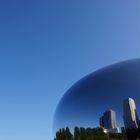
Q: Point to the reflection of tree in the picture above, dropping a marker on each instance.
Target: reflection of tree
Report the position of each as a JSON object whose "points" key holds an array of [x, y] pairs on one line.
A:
{"points": [[81, 134], [95, 134], [133, 133], [64, 134]]}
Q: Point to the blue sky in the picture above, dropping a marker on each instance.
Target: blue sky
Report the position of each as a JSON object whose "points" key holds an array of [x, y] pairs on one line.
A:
{"points": [[47, 45]]}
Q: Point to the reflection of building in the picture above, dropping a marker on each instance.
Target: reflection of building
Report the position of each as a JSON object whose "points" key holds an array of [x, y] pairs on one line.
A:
{"points": [[108, 120], [115, 130], [101, 121], [130, 115], [122, 130]]}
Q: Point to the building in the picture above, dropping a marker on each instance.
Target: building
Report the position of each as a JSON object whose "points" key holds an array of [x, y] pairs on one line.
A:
{"points": [[115, 130], [130, 115], [108, 120], [101, 121]]}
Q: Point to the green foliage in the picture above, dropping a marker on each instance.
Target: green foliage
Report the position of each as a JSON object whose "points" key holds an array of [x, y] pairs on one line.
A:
{"points": [[133, 134], [116, 136], [63, 134], [95, 134], [76, 133], [81, 134]]}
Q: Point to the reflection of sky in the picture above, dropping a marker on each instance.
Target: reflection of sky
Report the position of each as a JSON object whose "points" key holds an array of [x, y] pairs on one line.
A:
{"points": [[105, 89]]}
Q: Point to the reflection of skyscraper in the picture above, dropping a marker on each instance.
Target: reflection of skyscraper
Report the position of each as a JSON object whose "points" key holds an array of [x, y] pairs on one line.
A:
{"points": [[130, 114], [101, 121], [108, 120]]}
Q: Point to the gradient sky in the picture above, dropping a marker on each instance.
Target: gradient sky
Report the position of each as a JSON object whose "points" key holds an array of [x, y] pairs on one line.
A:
{"points": [[47, 45]]}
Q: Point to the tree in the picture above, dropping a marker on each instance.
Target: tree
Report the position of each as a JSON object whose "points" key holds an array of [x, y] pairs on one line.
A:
{"points": [[69, 136], [76, 133]]}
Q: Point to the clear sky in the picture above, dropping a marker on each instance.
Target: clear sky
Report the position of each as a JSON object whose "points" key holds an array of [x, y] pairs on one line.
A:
{"points": [[47, 45]]}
